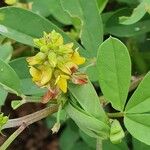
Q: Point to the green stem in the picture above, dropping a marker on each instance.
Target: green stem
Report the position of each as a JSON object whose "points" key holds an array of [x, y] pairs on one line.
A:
{"points": [[29, 119], [58, 113], [115, 115], [13, 137], [99, 144]]}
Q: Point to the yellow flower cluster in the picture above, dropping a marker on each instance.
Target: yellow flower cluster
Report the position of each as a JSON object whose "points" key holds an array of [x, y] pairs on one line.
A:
{"points": [[55, 63]]}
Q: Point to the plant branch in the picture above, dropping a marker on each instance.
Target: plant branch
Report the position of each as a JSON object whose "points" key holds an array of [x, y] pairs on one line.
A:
{"points": [[31, 118], [13, 137]]}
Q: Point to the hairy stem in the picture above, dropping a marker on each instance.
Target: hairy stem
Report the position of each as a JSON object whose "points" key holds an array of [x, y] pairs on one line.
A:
{"points": [[115, 115], [31, 118]]}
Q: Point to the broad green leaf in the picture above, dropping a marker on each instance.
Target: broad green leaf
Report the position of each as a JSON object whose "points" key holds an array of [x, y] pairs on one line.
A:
{"points": [[6, 52], [107, 145], [140, 100], [91, 142], [9, 79], [136, 15], [23, 25], [25, 77], [112, 26], [68, 138], [102, 4], [114, 71], [58, 12], [51, 7], [137, 145], [88, 124], [38, 5], [3, 95], [88, 99], [80, 145], [92, 26], [139, 126]]}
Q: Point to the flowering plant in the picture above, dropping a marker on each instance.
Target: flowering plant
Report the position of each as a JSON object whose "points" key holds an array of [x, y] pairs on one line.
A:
{"points": [[72, 58]]}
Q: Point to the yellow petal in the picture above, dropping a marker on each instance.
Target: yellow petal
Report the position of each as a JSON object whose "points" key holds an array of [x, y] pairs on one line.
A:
{"points": [[77, 59], [63, 68], [35, 73], [37, 59], [46, 74], [61, 82]]}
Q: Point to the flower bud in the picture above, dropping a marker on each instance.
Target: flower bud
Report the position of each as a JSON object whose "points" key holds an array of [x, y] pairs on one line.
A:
{"points": [[55, 128], [79, 78]]}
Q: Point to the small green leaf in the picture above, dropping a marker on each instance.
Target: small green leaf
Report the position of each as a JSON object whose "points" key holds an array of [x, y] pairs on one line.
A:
{"points": [[114, 71], [91, 23], [3, 95], [16, 104], [6, 52], [19, 24], [9, 79], [116, 132], [113, 27], [88, 99], [88, 124], [140, 100], [137, 14], [139, 126], [3, 120], [102, 4]]}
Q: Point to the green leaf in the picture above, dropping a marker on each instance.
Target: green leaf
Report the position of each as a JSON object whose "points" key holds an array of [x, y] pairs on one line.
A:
{"points": [[51, 7], [88, 124], [6, 52], [88, 99], [140, 100], [112, 25], [19, 24], [16, 104], [91, 142], [107, 145], [114, 71], [3, 95], [92, 26], [102, 4], [139, 126], [68, 138], [25, 77], [9, 79], [59, 13], [137, 145], [80, 145], [137, 14]]}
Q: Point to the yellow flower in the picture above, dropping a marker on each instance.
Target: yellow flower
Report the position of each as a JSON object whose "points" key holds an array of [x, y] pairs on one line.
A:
{"points": [[61, 82], [76, 58], [55, 64]]}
